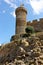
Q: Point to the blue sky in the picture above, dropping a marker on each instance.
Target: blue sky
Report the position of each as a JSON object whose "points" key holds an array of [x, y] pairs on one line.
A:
{"points": [[8, 17]]}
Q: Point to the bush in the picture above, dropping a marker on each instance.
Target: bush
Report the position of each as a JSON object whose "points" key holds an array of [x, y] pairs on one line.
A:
{"points": [[29, 30]]}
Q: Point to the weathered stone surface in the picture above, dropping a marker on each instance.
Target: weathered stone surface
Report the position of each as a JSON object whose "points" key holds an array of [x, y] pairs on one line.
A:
{"points": [[23, 51]]}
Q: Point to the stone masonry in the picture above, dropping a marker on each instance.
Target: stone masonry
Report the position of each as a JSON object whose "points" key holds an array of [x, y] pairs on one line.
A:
{"points": [[20, 19], [21, 23]]}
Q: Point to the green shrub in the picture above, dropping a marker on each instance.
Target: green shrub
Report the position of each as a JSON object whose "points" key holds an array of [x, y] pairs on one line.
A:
{"points": [[29, 30]]}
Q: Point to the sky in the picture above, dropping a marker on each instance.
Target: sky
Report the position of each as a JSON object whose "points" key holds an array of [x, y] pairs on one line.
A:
{"points": [[8, 17]]}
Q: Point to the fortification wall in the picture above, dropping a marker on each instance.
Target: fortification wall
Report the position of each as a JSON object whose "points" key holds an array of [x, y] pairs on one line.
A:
{"points": [[38, 25]]}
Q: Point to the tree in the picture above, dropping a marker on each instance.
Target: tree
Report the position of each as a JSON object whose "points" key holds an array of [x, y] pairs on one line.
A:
{"points": [[29, 30]]}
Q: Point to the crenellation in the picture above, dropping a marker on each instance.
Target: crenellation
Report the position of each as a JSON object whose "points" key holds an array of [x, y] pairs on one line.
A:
{"points": [[41, 19], [34, 21], [38, 25]]}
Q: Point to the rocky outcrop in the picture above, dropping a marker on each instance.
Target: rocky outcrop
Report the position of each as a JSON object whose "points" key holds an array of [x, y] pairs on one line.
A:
{"points": [[24, 51]]}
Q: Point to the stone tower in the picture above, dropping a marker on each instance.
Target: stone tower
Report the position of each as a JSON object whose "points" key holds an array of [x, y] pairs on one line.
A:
{"points": [[20, 19]]}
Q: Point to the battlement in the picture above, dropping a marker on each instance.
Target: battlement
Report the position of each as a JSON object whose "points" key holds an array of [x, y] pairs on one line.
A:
{"points": [[41, 19], [37, 24], [35, 21]]}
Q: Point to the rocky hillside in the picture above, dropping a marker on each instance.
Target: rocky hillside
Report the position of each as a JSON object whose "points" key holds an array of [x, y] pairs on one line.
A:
{"points": [[23, 51]]}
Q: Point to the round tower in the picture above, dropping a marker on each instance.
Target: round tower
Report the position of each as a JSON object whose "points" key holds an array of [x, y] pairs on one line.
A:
{"points": [[20, 19]]}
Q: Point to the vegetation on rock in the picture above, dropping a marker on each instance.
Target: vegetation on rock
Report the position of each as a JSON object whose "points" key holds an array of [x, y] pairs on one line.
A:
{"points": [[29, 30], [24, 51]]}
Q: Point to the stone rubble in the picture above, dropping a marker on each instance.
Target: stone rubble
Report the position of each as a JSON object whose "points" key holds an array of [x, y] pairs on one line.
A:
{"points": [[28, 51]]}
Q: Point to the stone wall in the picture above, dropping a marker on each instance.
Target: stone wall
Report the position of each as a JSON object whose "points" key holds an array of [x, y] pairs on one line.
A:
{"points": [[38, 25]]}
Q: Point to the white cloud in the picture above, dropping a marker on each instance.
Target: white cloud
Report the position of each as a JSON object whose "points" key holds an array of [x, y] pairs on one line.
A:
{"points": [[0, 44], [37, 6], [11, 3], [13, 13], [27, 1]]}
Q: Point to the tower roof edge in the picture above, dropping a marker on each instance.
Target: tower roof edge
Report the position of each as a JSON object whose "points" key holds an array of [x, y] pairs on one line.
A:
{"points": [[20, 8]]}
